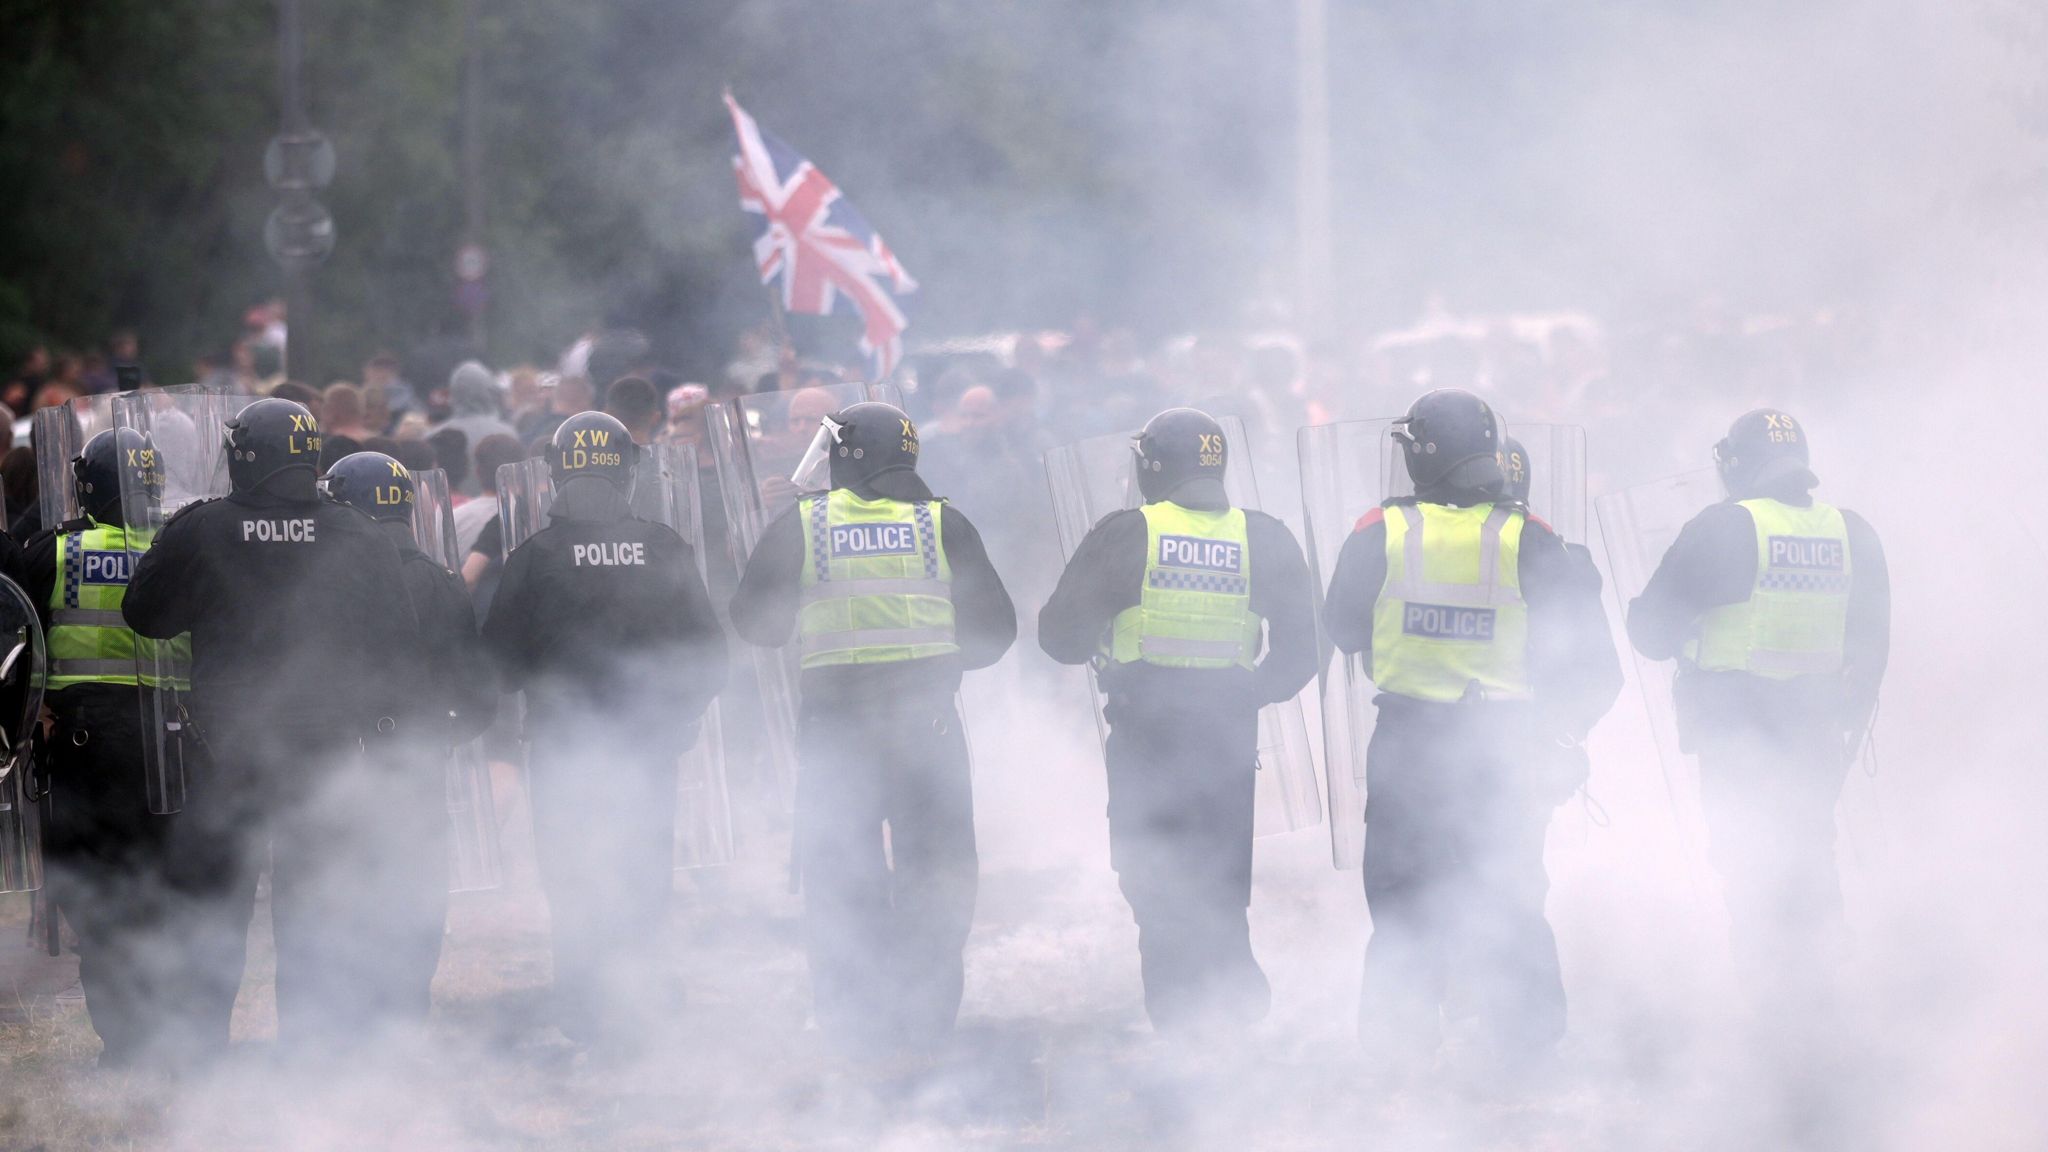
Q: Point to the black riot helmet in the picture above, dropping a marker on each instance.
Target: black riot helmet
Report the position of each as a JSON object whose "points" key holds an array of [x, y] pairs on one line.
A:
{"points": [[1450, 440], [115, 459], [1514, 466], [374, 484], [269, 437], [1177, 446], [869, 439], [593, 445], [1764, 450]]}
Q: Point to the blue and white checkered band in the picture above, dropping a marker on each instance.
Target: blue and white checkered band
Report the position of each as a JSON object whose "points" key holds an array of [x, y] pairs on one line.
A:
{"points": [[74, 572], [1182, 580], [1448, 622], [821, 561], [922, 512], [105, 567], [858, 541], [1805, 564]]}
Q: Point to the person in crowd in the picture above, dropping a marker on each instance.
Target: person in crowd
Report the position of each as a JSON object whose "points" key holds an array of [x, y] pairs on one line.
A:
{"points": [[341, 412], [570, 395], [1777, 609], [890, 598], [472, 517], [451, 455], [307, 654], [1195, 614], [20, 483], [1492, 657], [473, 400], [602, 620], [312, 398], [633, 402]]}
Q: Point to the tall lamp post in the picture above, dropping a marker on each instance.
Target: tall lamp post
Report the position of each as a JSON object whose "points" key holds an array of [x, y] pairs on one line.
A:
{"points": [[297, 163]]}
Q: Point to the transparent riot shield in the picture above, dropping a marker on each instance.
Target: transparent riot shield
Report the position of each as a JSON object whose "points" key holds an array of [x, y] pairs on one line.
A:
{"points": [[60, 433], [1095, 477], [473, 856], [184, 429], [757, 442], [22, 667], [1342, 478], [664, 491]]}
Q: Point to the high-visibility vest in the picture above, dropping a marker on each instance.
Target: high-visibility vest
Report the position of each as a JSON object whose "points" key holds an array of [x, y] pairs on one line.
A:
{"points": [[89, 642], [876, 587], [1450, 623], [1798, 612], [1194, 609]]}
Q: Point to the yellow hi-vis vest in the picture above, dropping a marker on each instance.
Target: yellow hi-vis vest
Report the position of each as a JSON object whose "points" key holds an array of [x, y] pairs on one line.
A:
{"points": [[89, 642], [1450, 623], [876, 586], [1195, 607], [1798, 612]]}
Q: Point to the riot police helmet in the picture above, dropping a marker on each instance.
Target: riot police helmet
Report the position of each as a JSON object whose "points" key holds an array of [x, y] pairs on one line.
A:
{"points": [[1514, 466], [1765, 450], [112, 461], [867, 440], [269, 437], [1450, 441], [593, 445], [1177, 446], [373, 484]]}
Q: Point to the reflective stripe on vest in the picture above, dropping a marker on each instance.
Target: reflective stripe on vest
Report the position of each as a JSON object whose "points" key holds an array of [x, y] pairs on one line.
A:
{"points": [[1797, 613], [89, 642], [876, 588], [1195, 606], [1450, 623]]}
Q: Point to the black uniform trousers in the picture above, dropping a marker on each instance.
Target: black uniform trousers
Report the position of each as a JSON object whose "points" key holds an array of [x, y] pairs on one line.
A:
{"points": [[1181, 784], [1768, 786], [885, 925], [358, 846], [604, 827], [1457, 805], [110, 871]]}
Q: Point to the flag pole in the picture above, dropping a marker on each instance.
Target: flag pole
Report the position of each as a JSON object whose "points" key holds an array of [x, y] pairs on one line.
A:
{"points": [[780, 318]]}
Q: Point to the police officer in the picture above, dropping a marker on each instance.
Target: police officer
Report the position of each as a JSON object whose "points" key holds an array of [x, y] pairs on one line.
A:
{"points": [[1493, 659], [405, 888], [106, 855], [1777, 608], [1196, 614], [305, 647], [602, 620], [891, 597]]}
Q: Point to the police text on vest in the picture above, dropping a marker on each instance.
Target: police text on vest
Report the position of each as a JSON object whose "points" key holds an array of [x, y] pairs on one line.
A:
{"points": [[278, 531], [892, 539], [106, 568], [1445, 622], [1196, 552], [1813, 552], [608, 554]]}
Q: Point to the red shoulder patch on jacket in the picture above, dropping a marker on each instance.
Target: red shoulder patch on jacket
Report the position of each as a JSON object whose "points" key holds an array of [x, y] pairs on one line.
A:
{"points": [[1540, 522], [1372, 516]]}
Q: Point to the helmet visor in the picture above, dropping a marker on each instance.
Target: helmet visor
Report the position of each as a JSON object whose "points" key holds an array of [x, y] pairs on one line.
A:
{"points": [[813, 470]]}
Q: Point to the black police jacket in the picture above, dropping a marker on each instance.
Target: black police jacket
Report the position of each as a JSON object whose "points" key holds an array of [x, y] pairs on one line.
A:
{"points": [[1574, 669], [298, 609], [1712, 564], [462, 686], [1107, 576], [602, 615], [764, 607]]}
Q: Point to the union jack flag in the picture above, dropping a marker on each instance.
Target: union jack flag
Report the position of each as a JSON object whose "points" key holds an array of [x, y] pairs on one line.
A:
{"points": [[812, 237]]}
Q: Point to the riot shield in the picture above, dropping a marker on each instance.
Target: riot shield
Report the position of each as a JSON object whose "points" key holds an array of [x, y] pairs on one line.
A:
{"points": [[757, 442], [664, 491], [22, 666], [1094, 477], [1343, 477], [61, 431], [473, 857], [185, 429]]}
